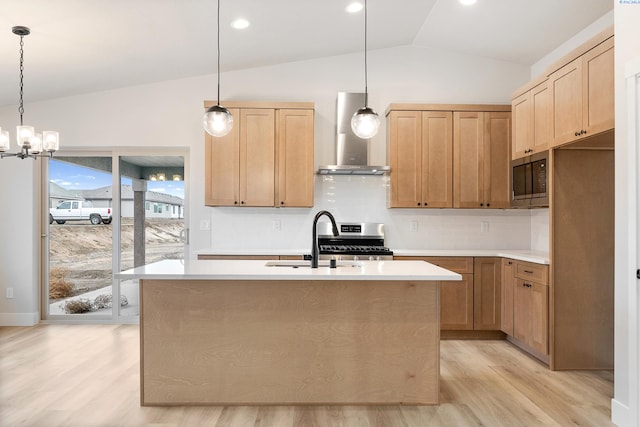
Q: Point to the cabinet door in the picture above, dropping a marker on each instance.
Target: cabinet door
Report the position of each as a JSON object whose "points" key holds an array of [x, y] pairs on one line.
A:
{"points": [[539, 317], [222, 166], [566, 102], [468, 150], [405, 158], [541, 100], [496, 160], [456, 304], [521, 311], [295, 158], [437, 159], [598, 88], [487, 279], [506, 303], [257, 157], [522, 116]]}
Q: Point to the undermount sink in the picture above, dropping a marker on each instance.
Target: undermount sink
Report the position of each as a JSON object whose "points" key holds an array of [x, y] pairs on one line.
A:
{"points": [[306, 264]]}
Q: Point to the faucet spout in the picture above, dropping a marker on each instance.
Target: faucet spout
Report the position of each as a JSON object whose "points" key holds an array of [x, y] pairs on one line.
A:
{"points": [[315, 251]]}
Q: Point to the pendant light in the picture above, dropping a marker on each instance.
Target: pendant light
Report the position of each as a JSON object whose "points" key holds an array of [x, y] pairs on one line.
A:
{"points": [[217, 120], [365, 122], [30, 143]]}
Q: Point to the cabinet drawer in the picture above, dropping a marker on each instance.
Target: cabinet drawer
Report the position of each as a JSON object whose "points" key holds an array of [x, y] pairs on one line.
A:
{"points": [[529, 271], [460, 265]]}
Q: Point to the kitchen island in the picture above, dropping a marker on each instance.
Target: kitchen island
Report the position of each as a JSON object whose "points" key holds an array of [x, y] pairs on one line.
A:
{"points": [[257, 332]]}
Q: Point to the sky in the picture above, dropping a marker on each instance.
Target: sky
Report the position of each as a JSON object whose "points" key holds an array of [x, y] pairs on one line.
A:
{"points": [[75, 177]]}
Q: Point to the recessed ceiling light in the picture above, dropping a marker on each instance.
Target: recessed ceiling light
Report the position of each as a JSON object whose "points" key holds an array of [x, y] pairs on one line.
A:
{"points": [[240, 24], [354, 7], [468, 2]]}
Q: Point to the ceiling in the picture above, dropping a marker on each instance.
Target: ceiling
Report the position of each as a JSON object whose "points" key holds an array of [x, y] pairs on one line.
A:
{"points": [[80, 46]]}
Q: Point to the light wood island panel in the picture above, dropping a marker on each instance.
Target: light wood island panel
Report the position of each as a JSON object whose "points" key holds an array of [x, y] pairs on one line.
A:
{"points": [[214, 342]]}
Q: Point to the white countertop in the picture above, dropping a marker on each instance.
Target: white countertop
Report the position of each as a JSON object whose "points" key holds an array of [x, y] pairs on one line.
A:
{"points": [[519, 254], [258, 270]]}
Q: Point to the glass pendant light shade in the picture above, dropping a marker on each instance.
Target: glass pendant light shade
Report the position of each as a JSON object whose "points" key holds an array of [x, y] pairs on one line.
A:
{"points": [[24, 135], [4, 140], [365, 123], [217, 121]]}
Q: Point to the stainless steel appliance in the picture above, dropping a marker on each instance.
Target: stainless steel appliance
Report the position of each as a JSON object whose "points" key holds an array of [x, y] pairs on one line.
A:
{"points": [[529, 181], [356, 241]]}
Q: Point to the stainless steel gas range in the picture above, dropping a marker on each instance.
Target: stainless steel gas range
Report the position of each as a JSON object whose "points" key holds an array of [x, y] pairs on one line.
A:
{"points": [[356, 241]]}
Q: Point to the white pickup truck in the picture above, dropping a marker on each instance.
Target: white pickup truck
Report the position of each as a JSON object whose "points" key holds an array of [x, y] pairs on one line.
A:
{"points": [[77, 210]]}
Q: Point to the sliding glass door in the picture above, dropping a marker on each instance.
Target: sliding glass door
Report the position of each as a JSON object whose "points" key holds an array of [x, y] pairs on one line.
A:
{"points": [[106, 213]]}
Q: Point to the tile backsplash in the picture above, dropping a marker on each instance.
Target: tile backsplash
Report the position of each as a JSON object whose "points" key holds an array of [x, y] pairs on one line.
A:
{"points": [[364, 199]]}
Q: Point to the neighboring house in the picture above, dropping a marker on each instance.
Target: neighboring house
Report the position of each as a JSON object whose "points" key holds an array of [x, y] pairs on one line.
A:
{"points": [[58, 194], [157, 205]]}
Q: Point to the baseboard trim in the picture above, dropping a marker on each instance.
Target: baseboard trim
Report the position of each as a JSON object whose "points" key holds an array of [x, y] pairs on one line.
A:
{"points": [[471, 335], [19, 319], [621, 414]]}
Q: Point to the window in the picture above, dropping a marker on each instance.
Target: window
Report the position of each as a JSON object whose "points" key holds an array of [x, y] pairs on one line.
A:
{"points": [[146, 206], [75, 205]]}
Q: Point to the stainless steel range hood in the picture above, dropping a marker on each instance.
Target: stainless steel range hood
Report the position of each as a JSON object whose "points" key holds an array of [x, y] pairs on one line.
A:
{"points": [[352, 152]]}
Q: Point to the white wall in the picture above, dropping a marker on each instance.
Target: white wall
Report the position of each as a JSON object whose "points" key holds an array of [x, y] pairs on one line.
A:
{"points": [[626, 401], [601, 24], [19, 239]]}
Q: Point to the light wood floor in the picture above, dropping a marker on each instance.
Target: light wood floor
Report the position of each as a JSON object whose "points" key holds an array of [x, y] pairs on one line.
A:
{"points": [[88, 375]]}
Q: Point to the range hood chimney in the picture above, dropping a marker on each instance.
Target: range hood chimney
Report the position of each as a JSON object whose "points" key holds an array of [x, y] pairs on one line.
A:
{"points": [[352, 152]]}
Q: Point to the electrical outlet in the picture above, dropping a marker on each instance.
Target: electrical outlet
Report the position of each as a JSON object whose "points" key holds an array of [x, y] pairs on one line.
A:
{"points": [[9, 292], [484, 227], [413, 226], [276, 225], [204, 225]]}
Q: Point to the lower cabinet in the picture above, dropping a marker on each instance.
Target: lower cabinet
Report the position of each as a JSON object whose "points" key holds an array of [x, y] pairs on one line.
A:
{"points": [[487, 280], [531, 315], [506, 306], [456, 298], [530, 306], [474, 302]]}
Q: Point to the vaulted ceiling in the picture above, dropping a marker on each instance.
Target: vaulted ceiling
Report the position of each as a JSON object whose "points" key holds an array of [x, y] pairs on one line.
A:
{"points": [[80, 46]]}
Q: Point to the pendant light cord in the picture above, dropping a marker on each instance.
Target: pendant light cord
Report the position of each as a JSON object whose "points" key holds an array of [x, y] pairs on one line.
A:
{"points": [[218, 52], [21, 105], [366, 86]]}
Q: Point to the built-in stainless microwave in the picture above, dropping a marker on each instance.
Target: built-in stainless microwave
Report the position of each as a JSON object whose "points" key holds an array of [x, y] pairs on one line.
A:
{"points": [[529, 181]]}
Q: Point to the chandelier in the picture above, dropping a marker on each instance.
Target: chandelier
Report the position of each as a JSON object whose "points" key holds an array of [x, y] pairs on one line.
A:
{"points": [[30, 143]]}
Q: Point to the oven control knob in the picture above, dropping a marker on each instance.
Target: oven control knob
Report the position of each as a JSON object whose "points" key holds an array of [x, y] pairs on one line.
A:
{"points": [[371, 258], [355, 258], [378, 258]]}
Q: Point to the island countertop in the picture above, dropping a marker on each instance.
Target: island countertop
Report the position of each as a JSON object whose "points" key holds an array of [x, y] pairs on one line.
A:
{"points": [[291, 270]]}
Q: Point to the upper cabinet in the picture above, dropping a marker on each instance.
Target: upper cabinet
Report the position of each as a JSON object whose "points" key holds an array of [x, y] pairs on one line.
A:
{"points": [[573, 99], [582, 94], [445, 156], [531, 120], [421, 153], [481, 142], [266, 159]]}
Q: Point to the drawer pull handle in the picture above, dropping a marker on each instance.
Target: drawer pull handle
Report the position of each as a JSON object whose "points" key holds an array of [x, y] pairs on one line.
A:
{"points": [[528, 271]]}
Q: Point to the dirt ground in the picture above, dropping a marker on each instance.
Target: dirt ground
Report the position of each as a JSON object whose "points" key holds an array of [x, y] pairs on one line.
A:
{"points": [[84, 250]]}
